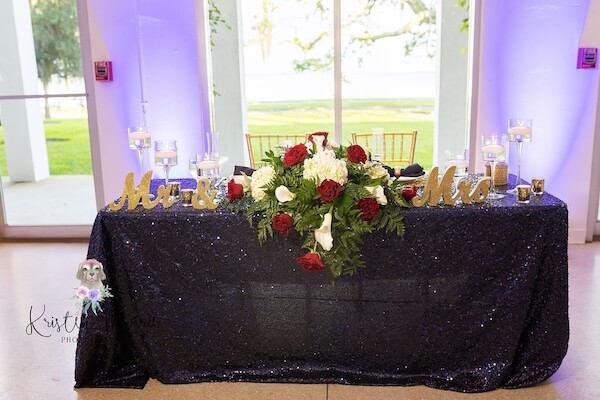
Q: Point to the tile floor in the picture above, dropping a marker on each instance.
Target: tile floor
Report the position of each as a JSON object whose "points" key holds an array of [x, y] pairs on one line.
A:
{"points": [[38, 278], [68, 200]]}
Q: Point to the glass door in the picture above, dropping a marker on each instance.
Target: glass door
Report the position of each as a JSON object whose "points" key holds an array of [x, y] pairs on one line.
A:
{"points": [[45, 156], [389, 69], [288, 89], [341, 67]]}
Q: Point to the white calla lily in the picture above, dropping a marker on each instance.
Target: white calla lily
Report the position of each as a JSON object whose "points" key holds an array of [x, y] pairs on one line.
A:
{"points": [[283, 194], [323, 234], [379, 194], [318, 140]]}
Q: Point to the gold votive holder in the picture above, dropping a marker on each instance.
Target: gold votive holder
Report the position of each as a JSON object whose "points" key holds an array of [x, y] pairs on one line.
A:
{"points": [[537, 186], [523, 194], [186, 197], [500, 173], [175, 189]]}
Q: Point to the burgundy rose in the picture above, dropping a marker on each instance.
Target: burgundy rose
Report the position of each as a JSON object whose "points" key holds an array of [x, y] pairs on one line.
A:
{"points": [[329, 190], [295, 155], [408, 192], [311, 262], [369, 208], [356, 154], [234, 190], [324, 134], [283, 223]]}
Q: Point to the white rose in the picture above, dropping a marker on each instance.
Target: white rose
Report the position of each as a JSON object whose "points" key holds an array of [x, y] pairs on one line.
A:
{"points": [[377, 171]]}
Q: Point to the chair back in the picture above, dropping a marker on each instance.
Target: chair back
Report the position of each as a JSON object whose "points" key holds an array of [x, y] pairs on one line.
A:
{"points": [[398, 147], [260, 143]]}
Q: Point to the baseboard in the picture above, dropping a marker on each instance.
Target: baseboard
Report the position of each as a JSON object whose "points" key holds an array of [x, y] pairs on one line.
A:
{"points": [[577, 236]]}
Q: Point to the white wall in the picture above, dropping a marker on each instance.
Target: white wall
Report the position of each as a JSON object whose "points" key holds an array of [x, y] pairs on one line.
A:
{"points": [[527, 65], [168, 79], [591, 38], [230, 103]]}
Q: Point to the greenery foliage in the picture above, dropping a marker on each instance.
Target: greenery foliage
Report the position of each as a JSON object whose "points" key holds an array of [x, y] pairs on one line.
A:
{"points": [[215, 20], [308, 208], [55, 35], [465, 21], [69, 145], [418, 29]]}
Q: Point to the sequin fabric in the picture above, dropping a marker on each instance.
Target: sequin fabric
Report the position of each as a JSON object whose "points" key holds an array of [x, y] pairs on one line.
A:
{"points": [[472, 298]]}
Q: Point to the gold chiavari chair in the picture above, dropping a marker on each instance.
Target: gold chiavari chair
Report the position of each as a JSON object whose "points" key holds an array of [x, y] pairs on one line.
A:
{"points": [[259, 143], [398, 147]]}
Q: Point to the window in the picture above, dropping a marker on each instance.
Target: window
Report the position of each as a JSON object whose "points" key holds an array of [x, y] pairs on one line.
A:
{"points": [[342, 67], [45, 160]]}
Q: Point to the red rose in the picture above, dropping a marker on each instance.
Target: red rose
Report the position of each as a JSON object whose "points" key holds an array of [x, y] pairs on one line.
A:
{"points": [[356, 154], [329, 190], [311, 262], [324, 134], [295, 155], [369, 208], [234, 191], [283, 223], [408, 192]]}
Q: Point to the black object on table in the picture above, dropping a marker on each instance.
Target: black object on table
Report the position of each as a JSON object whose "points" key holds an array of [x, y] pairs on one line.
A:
{"points": [[473, 298]]}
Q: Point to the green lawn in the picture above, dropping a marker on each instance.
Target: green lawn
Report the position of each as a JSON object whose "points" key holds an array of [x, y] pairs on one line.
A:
{"points": [[359, 116], [69, 146], [346, 104]]}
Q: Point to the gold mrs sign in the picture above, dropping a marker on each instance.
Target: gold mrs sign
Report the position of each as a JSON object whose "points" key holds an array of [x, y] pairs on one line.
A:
{"points": [[204, 197], [437, 190]]}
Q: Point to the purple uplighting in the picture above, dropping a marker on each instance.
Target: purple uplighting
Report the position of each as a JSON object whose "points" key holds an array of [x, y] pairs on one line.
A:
{"points": [[528, 70]]}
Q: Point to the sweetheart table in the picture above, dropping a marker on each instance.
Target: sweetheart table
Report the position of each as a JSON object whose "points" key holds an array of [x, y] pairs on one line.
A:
{"points": [[472, 298]]}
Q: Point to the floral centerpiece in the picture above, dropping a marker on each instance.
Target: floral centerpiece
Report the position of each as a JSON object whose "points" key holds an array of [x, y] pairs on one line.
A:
{"points": [[330, 194]]}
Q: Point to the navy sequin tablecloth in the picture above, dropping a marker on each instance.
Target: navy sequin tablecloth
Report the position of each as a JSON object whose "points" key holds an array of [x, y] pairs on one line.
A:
{"points": [[473, 298]]}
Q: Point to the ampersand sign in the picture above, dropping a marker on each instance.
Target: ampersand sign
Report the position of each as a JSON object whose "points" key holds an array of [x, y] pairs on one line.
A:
{"points": [[204, 197]]}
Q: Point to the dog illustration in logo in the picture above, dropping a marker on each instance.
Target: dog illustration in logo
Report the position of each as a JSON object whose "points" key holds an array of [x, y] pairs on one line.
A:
{"points": [[91, 273]]}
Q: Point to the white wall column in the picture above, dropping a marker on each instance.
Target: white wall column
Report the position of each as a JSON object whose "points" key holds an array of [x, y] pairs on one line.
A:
{"points": [[450, 126], [591, 38], [229, 113], [154, 50], [21, 119]]}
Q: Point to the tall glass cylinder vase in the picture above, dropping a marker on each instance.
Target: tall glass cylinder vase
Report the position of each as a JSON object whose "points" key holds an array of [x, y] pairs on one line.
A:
{"points": [[165, 155], [519, 132], [139, 139], [210, 164], [377, 144], [213, 149], [493, 149]]}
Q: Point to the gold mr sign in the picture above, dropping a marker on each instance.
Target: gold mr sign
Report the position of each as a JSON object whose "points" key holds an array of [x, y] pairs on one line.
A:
{"points": [[437, 190], [203, 198]]}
